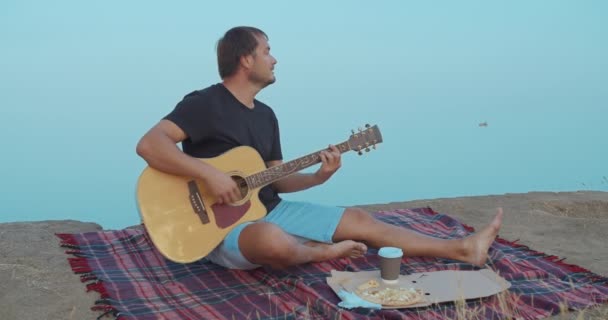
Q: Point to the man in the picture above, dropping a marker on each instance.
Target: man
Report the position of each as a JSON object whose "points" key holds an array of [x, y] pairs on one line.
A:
{"points": [[225, 115]]}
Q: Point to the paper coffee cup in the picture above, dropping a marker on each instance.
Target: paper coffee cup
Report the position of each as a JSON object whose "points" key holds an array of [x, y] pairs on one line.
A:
{"points": [[390, 263]]}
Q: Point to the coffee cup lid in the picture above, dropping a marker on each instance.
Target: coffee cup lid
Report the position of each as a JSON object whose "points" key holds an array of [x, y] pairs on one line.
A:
{"points": [[390, 252]]}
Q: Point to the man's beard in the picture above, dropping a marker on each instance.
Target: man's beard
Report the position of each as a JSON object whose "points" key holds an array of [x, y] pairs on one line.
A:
{"points": [[262, 82]]}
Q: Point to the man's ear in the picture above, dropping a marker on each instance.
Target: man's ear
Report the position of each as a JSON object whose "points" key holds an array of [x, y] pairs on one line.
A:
{"points": [[247, 61]]}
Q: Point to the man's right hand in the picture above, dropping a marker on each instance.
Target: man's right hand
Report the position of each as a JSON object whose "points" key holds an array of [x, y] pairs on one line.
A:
{"points": [[222, 187]]}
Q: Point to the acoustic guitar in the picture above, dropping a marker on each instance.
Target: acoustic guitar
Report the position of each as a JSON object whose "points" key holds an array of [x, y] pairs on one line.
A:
{"points": [[183, 219]]}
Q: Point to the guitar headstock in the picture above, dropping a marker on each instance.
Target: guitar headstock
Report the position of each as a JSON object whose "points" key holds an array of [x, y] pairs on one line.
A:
{"points": [[364, 139]]}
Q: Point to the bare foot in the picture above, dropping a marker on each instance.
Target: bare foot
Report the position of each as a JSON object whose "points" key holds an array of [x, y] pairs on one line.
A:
{"points": [[342, 249], [477, 245]]}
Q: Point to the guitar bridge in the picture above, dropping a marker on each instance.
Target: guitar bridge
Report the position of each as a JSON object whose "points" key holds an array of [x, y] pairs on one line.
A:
{"points": [[197, 202]]}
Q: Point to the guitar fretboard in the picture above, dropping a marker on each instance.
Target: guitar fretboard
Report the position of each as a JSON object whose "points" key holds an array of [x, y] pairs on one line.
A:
{"points": [[275, 173]]}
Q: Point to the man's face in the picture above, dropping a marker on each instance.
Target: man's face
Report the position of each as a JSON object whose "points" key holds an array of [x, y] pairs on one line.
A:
{"points": [[263, 64]]}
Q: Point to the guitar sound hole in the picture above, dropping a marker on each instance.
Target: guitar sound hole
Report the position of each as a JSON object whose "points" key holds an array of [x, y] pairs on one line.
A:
{"points": [[242, 184]]}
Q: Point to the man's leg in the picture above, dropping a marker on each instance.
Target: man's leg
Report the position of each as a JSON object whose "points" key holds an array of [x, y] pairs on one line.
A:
{"points": [[265, 243], [357, 224]]}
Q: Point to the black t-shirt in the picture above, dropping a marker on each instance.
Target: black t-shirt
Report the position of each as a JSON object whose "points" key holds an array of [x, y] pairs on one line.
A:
{"points": [[215, 122]]}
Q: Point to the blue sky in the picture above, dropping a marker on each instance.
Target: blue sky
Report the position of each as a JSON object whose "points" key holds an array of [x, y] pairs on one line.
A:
{"points": [[80, 82]]}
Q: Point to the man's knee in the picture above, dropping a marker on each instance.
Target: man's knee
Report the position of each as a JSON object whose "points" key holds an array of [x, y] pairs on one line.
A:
{"points": [[354, 225], [263, 241], [358, 216]]}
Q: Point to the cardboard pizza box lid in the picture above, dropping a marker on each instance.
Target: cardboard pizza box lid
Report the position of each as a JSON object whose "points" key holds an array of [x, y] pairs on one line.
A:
{"points": [[438, 286]]}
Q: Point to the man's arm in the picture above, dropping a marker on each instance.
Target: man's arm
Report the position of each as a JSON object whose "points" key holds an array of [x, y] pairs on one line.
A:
{"points": [[158, 147], [331, 162]]}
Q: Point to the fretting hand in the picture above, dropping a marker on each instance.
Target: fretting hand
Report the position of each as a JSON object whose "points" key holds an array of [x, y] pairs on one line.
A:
{"points": [[331, 162]]}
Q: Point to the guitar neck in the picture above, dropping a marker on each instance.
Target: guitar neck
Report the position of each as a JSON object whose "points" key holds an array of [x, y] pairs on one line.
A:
{"points": [[270, 175]]}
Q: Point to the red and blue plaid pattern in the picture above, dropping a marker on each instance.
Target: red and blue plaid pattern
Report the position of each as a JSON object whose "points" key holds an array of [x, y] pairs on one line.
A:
{"points": [[136, 282]]}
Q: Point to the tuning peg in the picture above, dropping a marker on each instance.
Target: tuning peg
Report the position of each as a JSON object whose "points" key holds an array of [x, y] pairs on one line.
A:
{"points": [[367, 125], [352, 131], [374, 146], [359, 153], [366, 149]]}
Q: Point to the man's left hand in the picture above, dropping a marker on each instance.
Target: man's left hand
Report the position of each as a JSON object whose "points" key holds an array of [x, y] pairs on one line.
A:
{"points": [[331, 159]]}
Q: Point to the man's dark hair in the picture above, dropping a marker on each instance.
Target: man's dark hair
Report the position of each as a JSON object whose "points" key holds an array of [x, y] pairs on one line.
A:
{"points": [[237, 42]]}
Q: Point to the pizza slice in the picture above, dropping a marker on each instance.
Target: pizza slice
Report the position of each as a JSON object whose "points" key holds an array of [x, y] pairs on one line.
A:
{"points": [[391, 296], [368, 285]]}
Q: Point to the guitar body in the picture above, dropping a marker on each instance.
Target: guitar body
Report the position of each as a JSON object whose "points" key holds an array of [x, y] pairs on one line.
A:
{"points": [[180, 214]]}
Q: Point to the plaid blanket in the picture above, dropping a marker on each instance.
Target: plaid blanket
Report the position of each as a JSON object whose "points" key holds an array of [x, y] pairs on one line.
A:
{"points": [[136, 282]]}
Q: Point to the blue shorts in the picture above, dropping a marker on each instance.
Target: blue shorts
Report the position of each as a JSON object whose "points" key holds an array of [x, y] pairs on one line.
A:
{"points": [[305, 221]]}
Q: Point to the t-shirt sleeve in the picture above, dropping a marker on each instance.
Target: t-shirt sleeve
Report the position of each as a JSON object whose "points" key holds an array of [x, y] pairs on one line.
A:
{"points": [[189, 115], [276, 153]]}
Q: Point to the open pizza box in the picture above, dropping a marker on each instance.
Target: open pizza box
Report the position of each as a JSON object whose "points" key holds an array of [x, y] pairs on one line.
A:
{"points": [[433, 287]]}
